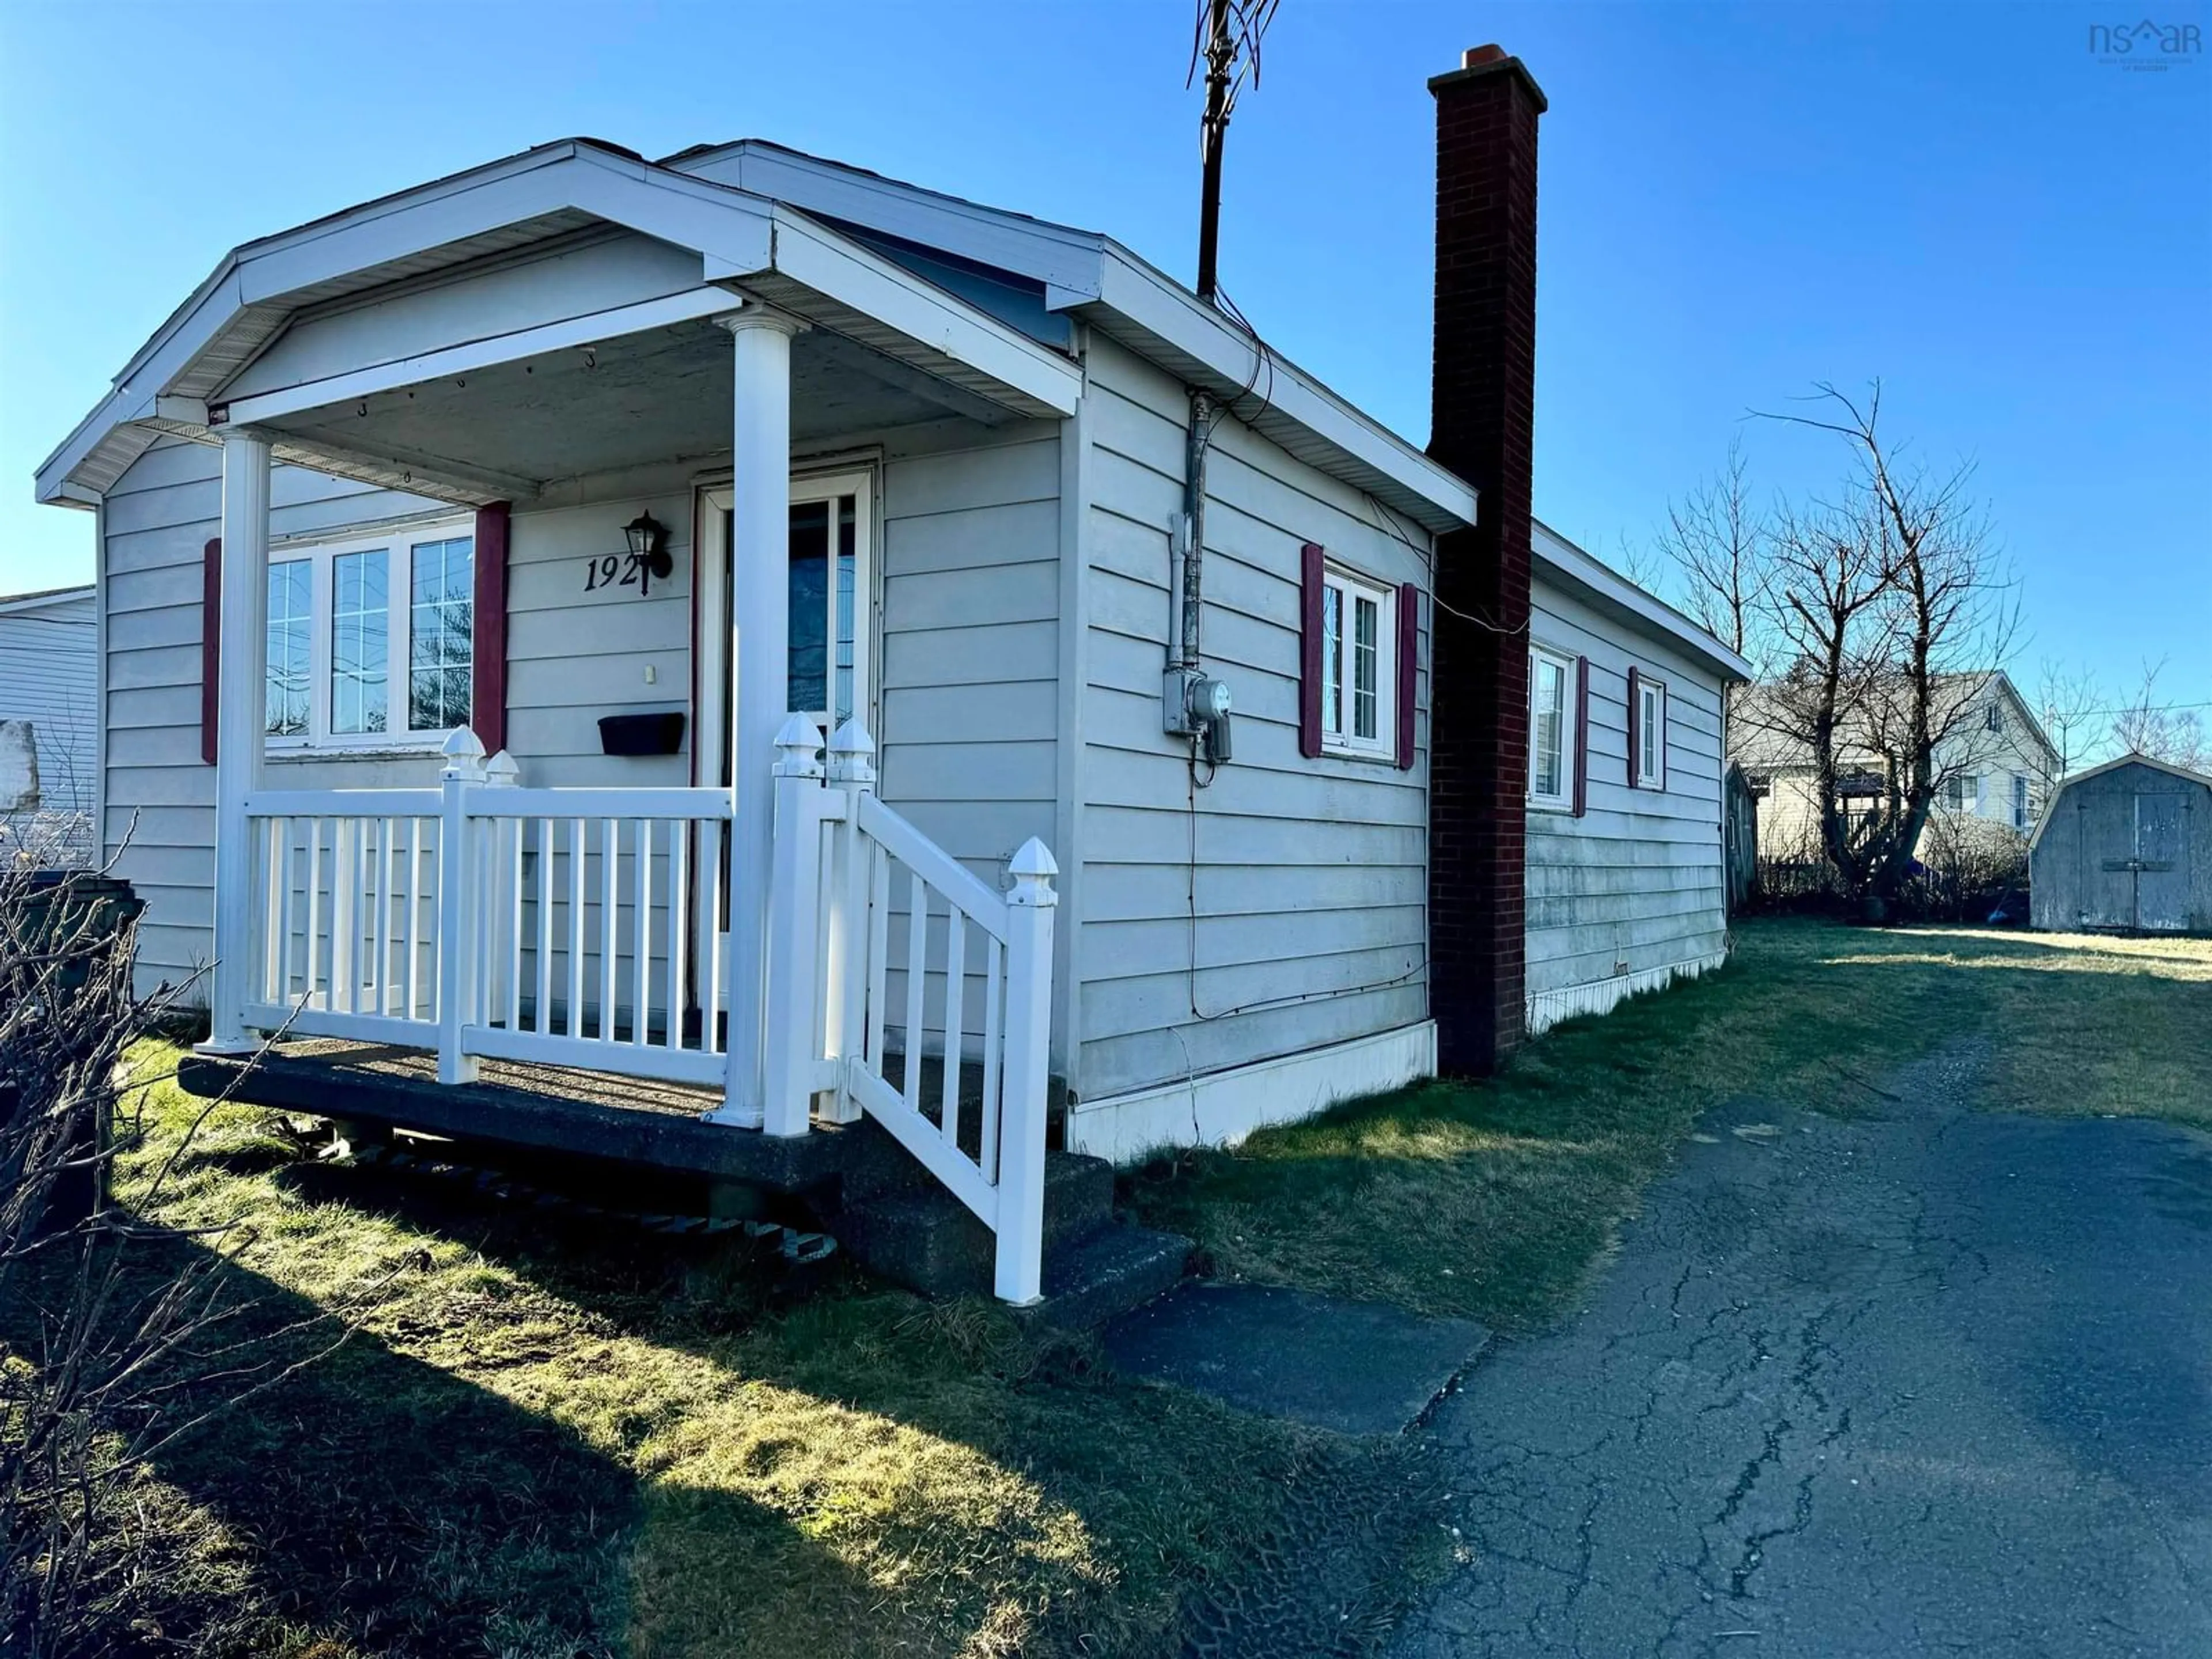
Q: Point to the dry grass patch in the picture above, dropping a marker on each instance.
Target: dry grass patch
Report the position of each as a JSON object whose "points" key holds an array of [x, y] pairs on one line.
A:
{"points": [[1494, 1200]]}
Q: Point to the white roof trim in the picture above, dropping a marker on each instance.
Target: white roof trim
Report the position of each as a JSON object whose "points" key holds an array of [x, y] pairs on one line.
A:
{"points": [[740, 238], [1167, 323], [1560, 560]]}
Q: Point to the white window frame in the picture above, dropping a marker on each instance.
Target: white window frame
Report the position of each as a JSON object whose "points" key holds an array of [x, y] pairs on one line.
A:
{"points": [[1962, 792], [1337, 715], [1651, 732], [1563, 800], [2023, 800], [399, 543]]}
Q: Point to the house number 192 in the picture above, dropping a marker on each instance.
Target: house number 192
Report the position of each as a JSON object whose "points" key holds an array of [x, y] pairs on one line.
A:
{"points": [[611, 570]]}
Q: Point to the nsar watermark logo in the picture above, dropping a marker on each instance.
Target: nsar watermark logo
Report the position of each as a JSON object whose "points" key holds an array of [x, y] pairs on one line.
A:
{"points": [[2146, 45]]}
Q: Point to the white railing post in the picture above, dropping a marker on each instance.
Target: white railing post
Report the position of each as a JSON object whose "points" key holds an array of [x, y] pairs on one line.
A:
{"points": [[1028, 1034], [456, 953], [852, 770], [794, 960], [494, 902], [241, 721]]}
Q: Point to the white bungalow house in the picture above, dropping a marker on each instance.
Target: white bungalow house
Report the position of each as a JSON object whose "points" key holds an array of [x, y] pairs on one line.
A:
{"points": [[648, 479]]}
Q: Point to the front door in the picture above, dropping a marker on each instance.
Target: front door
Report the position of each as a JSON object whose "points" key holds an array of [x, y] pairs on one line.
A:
{"points": [[832, 636]]}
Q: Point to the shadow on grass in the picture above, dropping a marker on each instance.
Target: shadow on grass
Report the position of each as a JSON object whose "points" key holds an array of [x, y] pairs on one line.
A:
{"points": [[371, 1503], [812, 1464]]}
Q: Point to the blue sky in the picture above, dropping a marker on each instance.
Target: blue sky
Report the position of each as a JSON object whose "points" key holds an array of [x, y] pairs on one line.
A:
{"points": [[1737, 202]]}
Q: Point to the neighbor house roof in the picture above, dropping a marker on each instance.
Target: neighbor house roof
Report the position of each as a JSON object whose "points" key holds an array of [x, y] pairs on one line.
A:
{"points": [[1563, 564], [44, 599], [1760, 741], [688, 200]]}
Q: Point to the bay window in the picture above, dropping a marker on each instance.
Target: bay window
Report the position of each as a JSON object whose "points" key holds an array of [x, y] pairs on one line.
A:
{"points": [[371, 640]]}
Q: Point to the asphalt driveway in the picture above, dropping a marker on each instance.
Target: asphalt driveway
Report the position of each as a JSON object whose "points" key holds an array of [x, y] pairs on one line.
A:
{"points": [[1912, 1378]]}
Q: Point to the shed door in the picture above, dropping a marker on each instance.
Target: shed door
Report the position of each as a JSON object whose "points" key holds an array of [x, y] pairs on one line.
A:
{"points": [[2107, 843], [2162, 849]]}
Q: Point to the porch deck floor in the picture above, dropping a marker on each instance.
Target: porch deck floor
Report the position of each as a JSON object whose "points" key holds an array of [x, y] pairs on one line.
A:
{"points": [[381, 1059], [540, 1109]]}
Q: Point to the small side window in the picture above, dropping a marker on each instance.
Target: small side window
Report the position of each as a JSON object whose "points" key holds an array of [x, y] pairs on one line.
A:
{"points": [[1550, 729], [1650, 734], [1359, 669]]}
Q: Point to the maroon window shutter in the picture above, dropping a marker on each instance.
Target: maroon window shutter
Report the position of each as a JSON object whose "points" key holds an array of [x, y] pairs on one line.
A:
{"points": [[488, 683], [1635, 725], [1310, 655], [1581, 736], [1409, 646], [210, 644]]}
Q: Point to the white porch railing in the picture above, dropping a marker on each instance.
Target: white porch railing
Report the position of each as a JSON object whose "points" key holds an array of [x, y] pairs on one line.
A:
{"points": [[566, 928]]}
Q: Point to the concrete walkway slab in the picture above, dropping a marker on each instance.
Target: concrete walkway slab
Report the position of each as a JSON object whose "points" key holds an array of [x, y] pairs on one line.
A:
{"points": [[1355, 1367]]}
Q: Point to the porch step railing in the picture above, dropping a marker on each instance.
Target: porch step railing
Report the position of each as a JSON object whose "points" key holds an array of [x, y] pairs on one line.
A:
{"points": [[922, 962], [483, 920]]}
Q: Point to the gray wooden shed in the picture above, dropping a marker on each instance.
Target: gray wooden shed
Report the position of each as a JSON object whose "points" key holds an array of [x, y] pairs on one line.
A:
{"points": [[2126, 845]]}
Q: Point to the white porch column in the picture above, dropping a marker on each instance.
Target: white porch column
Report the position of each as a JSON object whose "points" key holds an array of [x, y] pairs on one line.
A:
{"points": [[242, 717], [760, 671]]}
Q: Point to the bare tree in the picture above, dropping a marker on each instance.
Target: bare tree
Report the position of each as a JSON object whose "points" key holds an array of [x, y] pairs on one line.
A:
{"points": [[2144, 725], [1899, 604], [2066, 700], [1719, 543], [1827, 582], [117, 1336]]}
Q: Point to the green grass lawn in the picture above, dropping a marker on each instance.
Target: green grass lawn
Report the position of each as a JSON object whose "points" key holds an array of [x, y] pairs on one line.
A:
{"points": [[549, 1436]]}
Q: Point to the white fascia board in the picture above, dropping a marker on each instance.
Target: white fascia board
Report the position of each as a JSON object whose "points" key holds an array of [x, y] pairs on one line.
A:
{"points": [[815, 257], [1166, 310], [691, 305], [1560, 560]]}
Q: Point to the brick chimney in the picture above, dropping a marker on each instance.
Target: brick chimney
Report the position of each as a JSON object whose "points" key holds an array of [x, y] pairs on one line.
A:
{"points": [[1483, 421]]}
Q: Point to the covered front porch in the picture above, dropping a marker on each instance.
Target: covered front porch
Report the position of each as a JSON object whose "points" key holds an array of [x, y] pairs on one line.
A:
{"points": [[744, 916]]}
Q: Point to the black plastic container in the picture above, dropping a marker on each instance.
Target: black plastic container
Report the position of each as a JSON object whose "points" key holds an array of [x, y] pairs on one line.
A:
{"points": [[657, 734]]}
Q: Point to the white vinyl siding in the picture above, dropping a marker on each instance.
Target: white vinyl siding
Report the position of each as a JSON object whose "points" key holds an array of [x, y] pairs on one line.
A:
{"points": [[1283, 907], [1634, 886], [159, 817]]}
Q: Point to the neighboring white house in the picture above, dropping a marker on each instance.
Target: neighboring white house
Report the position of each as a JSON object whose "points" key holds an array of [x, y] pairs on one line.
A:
{"points": [[744, 435], [49, 724], [1995, 768], [1627, 883]]}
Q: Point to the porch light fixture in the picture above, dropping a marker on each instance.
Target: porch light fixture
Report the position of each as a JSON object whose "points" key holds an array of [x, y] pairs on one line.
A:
{"points": [[648, 545]]}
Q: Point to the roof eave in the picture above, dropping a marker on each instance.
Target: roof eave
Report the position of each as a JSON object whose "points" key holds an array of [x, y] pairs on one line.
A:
{"points": [[1563, 560]]}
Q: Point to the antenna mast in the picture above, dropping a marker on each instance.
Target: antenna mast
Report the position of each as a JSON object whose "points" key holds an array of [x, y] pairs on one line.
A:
{"points": [[1228, 39]]}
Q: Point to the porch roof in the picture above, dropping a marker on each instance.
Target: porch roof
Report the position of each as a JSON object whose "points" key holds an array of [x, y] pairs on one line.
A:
{"points": [[769, 220], [748, 248]]}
